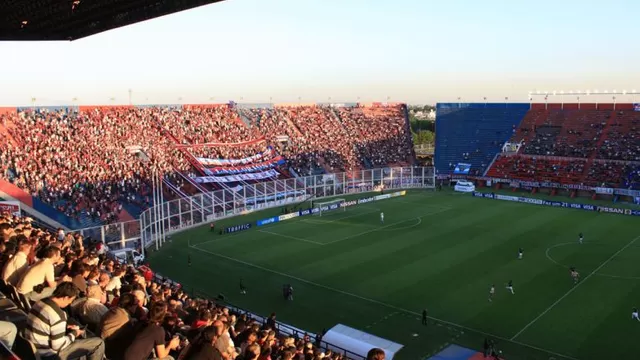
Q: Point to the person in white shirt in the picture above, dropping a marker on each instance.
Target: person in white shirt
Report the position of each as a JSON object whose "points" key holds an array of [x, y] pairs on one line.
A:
{"points": [[18, 265], [115, 283], [382, 218], [41, 272], [634, 314]]}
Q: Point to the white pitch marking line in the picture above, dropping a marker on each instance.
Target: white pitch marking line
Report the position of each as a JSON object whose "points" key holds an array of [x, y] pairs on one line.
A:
{"points": [[386, 226], [290, 237], [575, 287], [373, 301], [408, 226], [342, 218]]}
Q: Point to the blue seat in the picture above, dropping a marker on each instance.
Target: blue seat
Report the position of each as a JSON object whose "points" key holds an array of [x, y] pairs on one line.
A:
{"points": [[478, 130]]}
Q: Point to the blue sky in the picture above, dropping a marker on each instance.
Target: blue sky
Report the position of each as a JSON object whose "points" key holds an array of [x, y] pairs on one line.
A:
{"points": [[416, 51]]}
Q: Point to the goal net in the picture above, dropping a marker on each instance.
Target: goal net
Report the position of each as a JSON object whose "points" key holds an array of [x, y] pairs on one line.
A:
{"points": [[331, 205]]}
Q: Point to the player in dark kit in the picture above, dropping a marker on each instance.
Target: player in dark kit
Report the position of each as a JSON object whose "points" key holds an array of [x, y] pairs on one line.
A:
{"points": [[243, 289], [580, 238], [189, 260], [424, 317]]}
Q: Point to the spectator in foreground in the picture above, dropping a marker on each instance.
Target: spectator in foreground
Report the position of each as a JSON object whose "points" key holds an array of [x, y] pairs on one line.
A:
{"points": [[47, 328], [8, 332], [42, 272], [376, 354], [203, 348], [118, 325], [152, 337], [18, 265]]}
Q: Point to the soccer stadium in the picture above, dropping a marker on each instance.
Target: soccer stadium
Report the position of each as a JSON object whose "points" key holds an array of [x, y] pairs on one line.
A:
{"points": [[310, 230]]}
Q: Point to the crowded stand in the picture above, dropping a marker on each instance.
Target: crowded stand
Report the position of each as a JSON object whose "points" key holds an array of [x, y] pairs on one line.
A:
{"points": [[557, 170], [95, 163], [598, 148], [68, 297], [622, 140]]}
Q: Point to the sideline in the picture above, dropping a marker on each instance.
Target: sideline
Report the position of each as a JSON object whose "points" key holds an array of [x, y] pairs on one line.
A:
{"points": [[373, 301]]}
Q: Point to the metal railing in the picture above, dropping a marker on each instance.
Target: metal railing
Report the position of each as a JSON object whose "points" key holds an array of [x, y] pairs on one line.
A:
{"points": [[157, 222]]}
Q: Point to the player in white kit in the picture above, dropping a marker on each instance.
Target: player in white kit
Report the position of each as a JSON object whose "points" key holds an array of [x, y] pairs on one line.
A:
{"points": [[634, 314], [381, 218]]}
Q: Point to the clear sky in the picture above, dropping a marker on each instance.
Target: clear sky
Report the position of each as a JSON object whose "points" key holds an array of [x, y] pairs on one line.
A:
{"points": [[417, 51]]}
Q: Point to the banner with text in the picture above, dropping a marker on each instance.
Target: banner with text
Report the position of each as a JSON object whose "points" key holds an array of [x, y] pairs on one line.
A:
{"points": [[269, 164], [11, 207], [579, 206], [237, 178], [234, 162]]}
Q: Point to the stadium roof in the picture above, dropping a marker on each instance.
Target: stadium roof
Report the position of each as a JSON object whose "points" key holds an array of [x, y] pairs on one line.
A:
{"points": [[47, 20]]}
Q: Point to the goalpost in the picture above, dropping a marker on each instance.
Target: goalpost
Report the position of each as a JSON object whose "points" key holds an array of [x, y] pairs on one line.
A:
{"points": [[329, 205]]}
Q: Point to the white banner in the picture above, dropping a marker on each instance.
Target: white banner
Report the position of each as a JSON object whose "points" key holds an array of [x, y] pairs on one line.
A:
{"points": [[232, 162], [237, 178], [604, 191]]}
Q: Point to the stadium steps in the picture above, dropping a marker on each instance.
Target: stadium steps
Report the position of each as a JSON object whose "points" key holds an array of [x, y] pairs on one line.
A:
{"points": [[244, 118]]}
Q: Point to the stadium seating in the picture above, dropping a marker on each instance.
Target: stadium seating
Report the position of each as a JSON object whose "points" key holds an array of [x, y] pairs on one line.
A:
{"points": [[595, 146], [474, 133], [115, 298], [93, 164]]}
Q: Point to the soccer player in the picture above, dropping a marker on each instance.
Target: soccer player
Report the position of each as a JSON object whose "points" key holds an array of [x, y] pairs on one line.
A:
{"points": [[575, 275], [492, 291], [580, 238], [243, 289], [520, 253], [189, 260], [381, 218], [634, 314], [424, 317], [510, 287]]}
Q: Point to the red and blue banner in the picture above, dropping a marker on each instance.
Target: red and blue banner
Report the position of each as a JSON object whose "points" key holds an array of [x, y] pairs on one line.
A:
{"points": [[237, 178], [268, 153], [278, 160]]}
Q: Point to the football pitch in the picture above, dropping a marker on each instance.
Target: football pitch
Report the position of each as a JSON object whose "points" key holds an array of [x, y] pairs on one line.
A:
{"points": [[439, 251]]}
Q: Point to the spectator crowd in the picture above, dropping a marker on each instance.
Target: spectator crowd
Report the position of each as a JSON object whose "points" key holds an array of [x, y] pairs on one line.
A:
{"points": [[588, 147], [80, 302], [93, 161]]}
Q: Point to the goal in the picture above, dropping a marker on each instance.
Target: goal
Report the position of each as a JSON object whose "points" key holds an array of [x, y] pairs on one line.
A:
{"points": [[331, 205]]}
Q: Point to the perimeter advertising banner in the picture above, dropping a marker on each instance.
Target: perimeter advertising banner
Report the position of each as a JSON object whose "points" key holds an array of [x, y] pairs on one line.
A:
{"points": [[12, 207]]}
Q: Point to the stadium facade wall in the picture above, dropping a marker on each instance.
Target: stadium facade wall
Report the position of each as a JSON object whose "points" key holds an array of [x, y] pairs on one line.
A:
{"points": [[34, 206], [478, 129]]}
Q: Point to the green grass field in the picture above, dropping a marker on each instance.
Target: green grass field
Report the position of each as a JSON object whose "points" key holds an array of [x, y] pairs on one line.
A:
{"points": [[439, 251]]}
